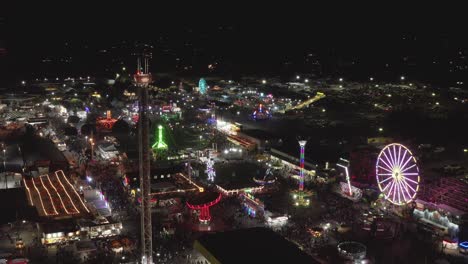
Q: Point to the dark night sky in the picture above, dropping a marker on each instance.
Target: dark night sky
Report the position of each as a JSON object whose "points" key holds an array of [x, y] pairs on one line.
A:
{"points": [[242, 38]]}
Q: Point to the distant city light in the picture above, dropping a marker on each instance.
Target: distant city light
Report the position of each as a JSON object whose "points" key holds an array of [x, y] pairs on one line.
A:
{"points": [[465, 150], [306, 80], [402, 78], [433, 94], [371, 79], [380, 129], [298, 77], [23, 82], [263, 81], [341, 79]]}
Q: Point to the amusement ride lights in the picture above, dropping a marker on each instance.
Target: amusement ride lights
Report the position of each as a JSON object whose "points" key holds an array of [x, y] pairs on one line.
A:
{"points": [[159, 144], [50, 197], [66, 192], [302, 144], [397, 174], [200, 189], [210, 169], [77, 195], [203, 86], [347, 178]]}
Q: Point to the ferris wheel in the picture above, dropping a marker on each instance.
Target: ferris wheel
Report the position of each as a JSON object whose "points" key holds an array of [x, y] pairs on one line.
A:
{"points": [[397, 174]]}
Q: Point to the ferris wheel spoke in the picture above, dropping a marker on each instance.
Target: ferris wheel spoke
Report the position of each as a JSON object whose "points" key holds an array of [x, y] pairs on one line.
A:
{"points": [[406, 189], [409, 185], [394, 192], [399, 155], [406, 169], [401, 192], [385, 169], [384, 180], [390, 160], [402, 158], [386, 186], [402, 187], [404, 164], [395, 156], [409, 173], [386, 164]]}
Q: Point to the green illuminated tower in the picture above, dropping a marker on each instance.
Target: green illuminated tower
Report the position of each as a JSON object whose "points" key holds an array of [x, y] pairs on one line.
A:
{"points": [[160, 144]]}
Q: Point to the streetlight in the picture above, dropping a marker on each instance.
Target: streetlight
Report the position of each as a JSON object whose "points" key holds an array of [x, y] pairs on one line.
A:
{"points": [[306, 80], [371, 79], [380, 129], [23, 82], [298, 77], [263, 81], [402, 78], [341, 79], [4, 168]]}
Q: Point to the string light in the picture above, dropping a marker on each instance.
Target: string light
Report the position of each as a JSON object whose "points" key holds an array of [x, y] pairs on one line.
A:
{"points": [[63, 187], [59, 196], [77, 195], [29, 192]]}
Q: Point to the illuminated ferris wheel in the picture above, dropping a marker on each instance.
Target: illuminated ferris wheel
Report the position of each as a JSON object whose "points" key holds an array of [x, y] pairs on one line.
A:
{"points": [[397, 174]]}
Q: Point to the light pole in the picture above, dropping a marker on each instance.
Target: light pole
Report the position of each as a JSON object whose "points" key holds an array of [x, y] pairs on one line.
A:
{"points": [[4, 168], [92, 148]]}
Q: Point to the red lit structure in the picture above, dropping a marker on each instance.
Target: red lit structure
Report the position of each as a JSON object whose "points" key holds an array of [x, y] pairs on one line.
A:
{"points": [[106, 123], [203, 202]]}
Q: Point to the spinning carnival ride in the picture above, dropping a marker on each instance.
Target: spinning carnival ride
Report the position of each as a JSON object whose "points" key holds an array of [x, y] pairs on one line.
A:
{"points": [[261, 113]]}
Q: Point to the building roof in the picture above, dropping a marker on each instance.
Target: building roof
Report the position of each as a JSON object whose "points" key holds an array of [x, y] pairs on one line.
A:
{"points": [[252, 245]]}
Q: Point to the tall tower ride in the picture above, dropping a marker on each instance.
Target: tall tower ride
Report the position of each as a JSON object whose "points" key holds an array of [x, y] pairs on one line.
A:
{"points": [[302, 144], [142, 78]]}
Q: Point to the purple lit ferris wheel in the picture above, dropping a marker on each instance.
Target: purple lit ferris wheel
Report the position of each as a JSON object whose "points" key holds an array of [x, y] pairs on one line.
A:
{"points": [[397, 174]]}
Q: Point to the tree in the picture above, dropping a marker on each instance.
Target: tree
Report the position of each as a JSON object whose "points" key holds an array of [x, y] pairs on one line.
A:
{"points": [[120, 128], [87, 129], [70, 131], [73, 119]]}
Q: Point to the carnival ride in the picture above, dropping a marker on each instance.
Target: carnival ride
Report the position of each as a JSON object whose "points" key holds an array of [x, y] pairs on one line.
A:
{"points": [[106, 123], [268, 178], [261, 113], [300, 195], [202, 203], [397, 174], [210, 171], [203, 86], [159, 144]]}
